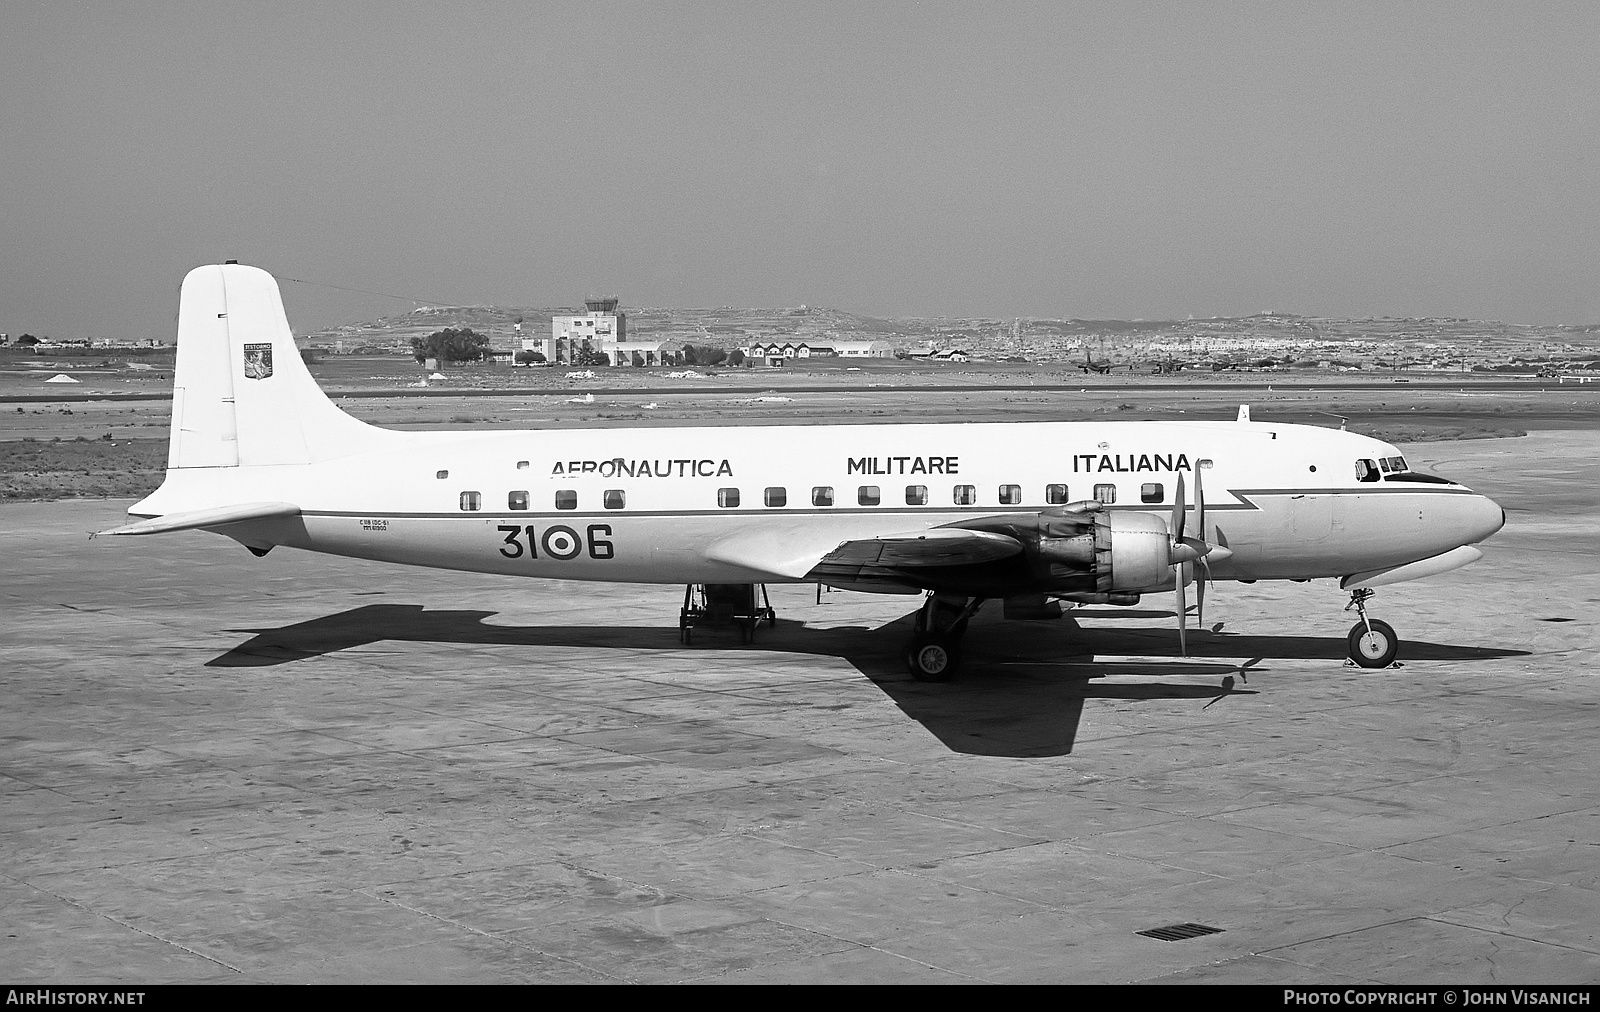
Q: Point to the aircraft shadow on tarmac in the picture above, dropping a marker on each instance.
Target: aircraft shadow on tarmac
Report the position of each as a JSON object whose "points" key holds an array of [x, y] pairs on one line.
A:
{"points": [[1020, 694]]}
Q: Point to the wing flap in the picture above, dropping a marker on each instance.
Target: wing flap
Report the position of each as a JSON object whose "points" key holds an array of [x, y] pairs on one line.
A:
{"points": [[216, 517], [794, 550], [941, 546]]}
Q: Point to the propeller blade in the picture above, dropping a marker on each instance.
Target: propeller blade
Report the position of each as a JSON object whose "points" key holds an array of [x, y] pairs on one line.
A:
{"points": [[1178, 511], [1205, 560], [1183, 614]]}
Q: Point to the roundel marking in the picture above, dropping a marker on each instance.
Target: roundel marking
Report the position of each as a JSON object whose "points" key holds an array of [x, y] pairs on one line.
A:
{"points": [[561, 543]]}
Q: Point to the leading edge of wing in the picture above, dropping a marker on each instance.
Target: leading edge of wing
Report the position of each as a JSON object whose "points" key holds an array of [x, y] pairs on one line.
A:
{"points": [[216, 517], [793, 550]]}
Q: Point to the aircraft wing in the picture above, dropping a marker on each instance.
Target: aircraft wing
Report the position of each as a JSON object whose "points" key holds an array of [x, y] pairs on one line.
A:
{"points": [[216, 517], [795, 550]]}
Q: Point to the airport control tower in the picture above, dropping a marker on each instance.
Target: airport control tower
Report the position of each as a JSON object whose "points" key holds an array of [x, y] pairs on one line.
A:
{"points": [[598, 330]]}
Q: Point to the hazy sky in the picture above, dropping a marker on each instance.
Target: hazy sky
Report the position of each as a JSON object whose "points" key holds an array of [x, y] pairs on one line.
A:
{"points": [[1053, 159]]}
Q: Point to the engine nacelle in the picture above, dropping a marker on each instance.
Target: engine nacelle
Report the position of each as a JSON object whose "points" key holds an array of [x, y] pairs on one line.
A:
{"points": [[1141, 553], [1112, 553], [1083, 549]]}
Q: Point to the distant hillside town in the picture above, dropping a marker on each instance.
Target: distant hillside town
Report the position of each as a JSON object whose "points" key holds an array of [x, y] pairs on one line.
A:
{"points": [[27, 341], [603, 333]]}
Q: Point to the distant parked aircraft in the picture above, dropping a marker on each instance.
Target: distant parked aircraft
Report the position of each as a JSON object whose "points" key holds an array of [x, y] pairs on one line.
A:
{"points": [[1090, 365]]}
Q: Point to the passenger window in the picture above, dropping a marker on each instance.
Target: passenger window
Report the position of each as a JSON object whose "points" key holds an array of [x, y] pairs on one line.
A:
{"points": [[727, 498], [613, 498], [1105, 493], [517, 501], [1203, 462], [522, 465], [1055, 494], [822, 495], [471, 501], [868, 495], [1010, 495], [1152, 491], [1366, 470], [776, 497], [965, 495], [441, 474], [567, 499], [916, 495]]}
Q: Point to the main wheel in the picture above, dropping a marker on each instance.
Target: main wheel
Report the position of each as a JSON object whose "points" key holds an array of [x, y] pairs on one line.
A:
{"points": [[1375, 648], [931, 658]]}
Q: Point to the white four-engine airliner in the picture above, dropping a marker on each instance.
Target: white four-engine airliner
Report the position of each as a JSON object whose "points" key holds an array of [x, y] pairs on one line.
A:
{"points": [[1033, 513]]}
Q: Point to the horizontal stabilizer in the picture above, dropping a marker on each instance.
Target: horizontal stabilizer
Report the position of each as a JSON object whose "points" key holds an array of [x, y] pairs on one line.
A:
{"points": [[1455, 558], [217, 517]]}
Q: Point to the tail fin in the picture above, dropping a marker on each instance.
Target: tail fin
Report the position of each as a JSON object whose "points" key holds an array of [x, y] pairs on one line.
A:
{"points": [[241, 395]]}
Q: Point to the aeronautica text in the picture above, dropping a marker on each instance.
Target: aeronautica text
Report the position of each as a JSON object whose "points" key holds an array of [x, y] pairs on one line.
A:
{"points": [[645, 468]]}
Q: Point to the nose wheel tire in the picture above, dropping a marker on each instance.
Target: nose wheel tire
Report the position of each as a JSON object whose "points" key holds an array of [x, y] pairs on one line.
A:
{"points": [[1375, 647], [931, 658]]}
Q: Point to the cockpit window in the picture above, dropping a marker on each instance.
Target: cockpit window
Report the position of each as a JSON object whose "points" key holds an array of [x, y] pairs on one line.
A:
{"points": [[1367, 470]]}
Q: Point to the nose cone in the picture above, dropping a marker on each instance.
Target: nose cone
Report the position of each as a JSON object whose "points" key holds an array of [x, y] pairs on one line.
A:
{"points": [[1481, 519]]}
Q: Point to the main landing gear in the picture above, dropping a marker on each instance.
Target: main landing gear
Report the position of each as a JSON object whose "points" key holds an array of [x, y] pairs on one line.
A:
{"points": [[1373, 643], [742, 605], [935, 647]]}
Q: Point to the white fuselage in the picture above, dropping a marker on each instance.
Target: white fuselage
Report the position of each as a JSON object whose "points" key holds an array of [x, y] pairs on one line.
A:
{"points": [[648, 505]]}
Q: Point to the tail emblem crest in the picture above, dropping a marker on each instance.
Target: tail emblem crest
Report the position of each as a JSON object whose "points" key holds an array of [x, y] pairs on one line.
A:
{"points": [[257, 361]]}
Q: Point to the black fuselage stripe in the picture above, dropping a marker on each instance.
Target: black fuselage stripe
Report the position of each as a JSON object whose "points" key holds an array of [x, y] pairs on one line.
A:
{"points": [[1245, 494]]}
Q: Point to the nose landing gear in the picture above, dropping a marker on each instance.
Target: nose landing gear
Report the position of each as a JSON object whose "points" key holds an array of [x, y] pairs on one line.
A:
{"points": [[1373, 643]]}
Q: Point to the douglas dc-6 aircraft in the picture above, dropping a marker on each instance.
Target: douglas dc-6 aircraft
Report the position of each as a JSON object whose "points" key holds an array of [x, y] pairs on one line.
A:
{"points": [[963, 513]]}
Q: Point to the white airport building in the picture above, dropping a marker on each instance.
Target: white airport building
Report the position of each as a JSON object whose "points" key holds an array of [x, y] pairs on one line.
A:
{"points": [[602, 329], [771, 350]]}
